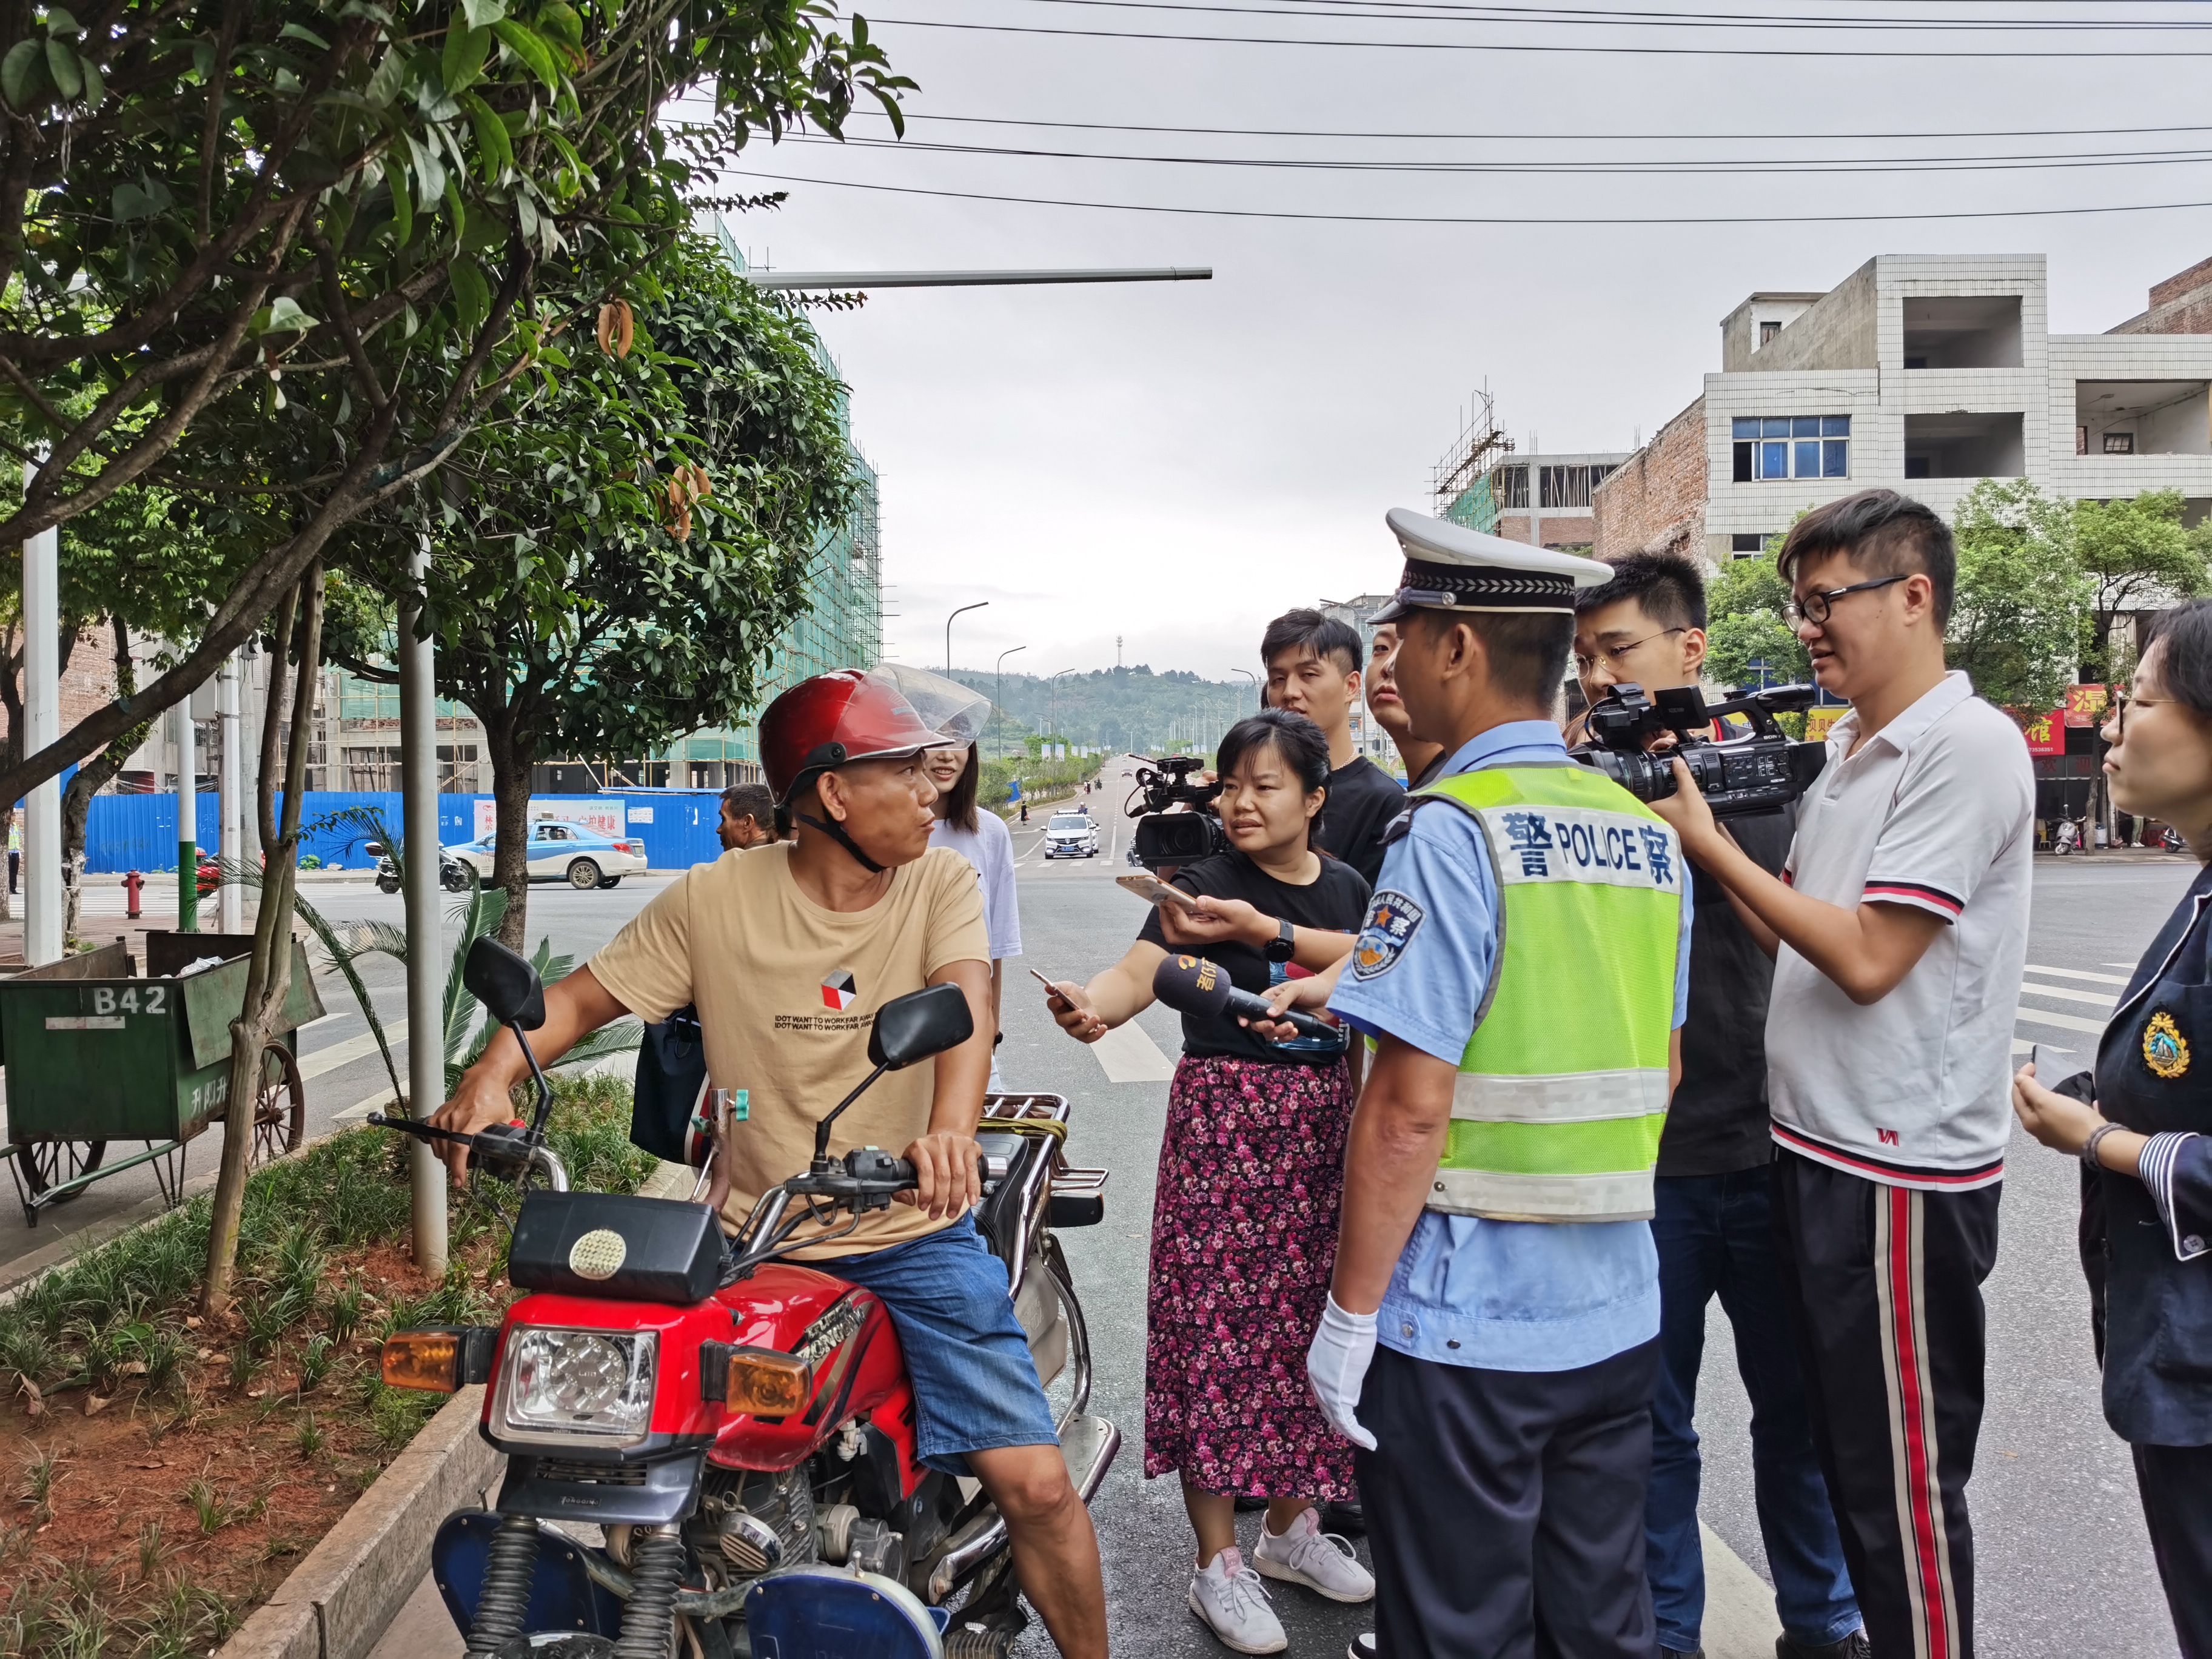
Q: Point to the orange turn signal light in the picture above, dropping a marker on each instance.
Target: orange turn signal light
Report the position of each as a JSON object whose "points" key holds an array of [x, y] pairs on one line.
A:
{"points": [[439, 1358], [422, 1359], [767, 1384]]}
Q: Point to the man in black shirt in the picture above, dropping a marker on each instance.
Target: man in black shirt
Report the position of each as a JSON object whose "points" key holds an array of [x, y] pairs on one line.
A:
{"points": [[1313, 665], [1712, 1224]]}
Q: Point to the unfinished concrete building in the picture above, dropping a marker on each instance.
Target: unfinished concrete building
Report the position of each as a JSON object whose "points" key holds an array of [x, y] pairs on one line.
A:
{"points": [[1923, 373]]}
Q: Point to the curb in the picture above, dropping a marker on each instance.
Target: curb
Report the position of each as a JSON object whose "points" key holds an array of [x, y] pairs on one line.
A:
{"points": [[336, 1602]]}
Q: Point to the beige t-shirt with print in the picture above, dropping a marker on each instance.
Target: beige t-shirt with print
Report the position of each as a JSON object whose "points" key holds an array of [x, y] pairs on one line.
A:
{"points": [[786, 992]]}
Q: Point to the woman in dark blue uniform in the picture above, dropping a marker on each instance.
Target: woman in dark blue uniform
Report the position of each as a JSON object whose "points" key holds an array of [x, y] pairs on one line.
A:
{"points": [[2141, 1125]]}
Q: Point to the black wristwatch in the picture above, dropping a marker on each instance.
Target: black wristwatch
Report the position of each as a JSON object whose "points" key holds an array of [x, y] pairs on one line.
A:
{"points": [[1283, 945]]}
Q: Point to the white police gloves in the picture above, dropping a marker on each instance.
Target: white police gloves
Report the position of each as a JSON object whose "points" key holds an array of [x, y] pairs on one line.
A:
{"points": [[1336, 1365]]}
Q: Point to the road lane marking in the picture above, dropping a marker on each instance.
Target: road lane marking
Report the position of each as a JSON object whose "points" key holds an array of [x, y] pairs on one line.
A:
{"points": [[2075, 973], [2031, 988], [1127, 1054], [2062, 1022], [353, 1049]]}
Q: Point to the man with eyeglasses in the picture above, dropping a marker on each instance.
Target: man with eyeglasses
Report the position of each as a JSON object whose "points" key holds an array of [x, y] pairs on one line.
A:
{"points": [[1712, 1219], [1898, 927]]}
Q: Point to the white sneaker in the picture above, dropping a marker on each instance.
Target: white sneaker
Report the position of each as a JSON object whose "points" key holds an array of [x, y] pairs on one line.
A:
{"points": [[1229, 1597], [1320, 1560]]}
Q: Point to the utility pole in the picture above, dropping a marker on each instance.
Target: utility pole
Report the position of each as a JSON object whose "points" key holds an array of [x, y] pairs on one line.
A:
{"points": [[998, 697], [978, 605], [426, 991], [230, 829], [188, 820], [42, 721]]}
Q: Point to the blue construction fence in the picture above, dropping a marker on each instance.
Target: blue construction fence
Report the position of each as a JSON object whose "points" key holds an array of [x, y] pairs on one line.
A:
{"points": [[139, 832]]}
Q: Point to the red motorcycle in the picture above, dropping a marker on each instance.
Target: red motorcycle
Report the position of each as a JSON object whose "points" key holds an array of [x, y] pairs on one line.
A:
{"points": [[738, 1430]]}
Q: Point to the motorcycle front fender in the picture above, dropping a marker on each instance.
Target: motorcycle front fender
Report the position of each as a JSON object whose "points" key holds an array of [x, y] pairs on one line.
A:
{"points": [[636, 1494], [562, 1594]]}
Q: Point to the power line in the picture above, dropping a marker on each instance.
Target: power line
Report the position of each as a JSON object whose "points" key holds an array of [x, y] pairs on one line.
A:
{"points": [[1769, 137], [1841, 166], [2071, 55], [1485, 219], [1453, 11]]}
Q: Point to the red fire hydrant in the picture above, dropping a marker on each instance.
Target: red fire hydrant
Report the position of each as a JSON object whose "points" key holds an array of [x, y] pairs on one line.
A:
{"points": [[133, 884]]}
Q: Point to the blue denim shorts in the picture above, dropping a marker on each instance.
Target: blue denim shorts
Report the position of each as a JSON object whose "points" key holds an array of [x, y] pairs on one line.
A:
{"points": [[975, 1386]]}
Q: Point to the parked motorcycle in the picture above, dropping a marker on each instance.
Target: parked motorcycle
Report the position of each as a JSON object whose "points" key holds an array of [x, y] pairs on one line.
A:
{"points": [[741, 1427], [453, 875], [2066, 839]]}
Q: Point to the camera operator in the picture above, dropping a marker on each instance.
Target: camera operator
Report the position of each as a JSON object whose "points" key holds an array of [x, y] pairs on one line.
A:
{"points": [[1313, 665], [1712, 1221], [1900, 928]]}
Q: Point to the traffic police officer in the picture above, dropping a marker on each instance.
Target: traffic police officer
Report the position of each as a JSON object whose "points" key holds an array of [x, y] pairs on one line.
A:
{"points": [[1490, 1340]]}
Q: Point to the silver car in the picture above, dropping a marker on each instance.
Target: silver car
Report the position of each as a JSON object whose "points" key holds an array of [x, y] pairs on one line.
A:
{"points": [[1071, 835]]}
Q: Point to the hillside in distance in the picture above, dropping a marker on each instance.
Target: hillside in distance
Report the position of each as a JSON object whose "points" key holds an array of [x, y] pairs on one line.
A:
{"points": [[1117, 708]]}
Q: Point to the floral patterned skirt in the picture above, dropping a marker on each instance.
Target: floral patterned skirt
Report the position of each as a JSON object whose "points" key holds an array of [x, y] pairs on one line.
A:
{"points": [[1243, 1241]]}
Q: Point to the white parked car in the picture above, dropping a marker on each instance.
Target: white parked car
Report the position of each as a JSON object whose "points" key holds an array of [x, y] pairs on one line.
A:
{"points": [[560, 851], [1071, 835]]}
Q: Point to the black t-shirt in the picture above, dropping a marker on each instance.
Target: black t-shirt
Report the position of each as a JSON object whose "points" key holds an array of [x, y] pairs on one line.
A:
{"points": [[1336, 899], [1718, 1121], [1362, 799]]}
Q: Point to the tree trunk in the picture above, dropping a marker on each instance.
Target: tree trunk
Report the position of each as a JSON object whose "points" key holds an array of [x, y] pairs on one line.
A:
{"points": [[269, 978], [510, 788]]}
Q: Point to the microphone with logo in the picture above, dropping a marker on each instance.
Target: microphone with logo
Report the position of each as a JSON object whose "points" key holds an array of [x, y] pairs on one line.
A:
{"points": [[1192, 985]]}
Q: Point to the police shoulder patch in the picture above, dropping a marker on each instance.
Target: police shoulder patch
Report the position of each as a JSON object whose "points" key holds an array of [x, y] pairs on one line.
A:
{"points": [[1392, 920]]}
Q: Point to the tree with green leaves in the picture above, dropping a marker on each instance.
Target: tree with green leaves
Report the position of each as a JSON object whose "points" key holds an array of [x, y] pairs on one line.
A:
{"points": [[614, 558], [2137, 557], [1746, 623], [2021, 597], [281, 259]]}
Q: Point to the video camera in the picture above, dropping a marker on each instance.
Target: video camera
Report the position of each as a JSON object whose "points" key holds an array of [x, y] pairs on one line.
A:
{"points": [[1762, 772], [1167, 837]]}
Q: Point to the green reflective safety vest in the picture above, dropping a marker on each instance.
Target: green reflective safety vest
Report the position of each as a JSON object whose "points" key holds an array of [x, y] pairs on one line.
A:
{"points": [[1562, 1090]]}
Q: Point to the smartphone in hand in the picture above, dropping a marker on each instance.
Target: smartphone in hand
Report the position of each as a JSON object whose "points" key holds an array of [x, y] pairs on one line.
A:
{"points": [[1153, 891]]}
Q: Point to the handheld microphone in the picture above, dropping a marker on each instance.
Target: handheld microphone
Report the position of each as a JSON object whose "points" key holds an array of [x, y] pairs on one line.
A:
{"points": [[1192, 985]]}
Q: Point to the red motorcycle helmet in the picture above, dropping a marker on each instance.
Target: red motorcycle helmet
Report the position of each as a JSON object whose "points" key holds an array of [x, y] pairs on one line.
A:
{"points": [[833, 719]]}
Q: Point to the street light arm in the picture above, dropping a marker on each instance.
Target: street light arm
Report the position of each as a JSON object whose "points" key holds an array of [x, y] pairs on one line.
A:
{"points": [[978, 605]]}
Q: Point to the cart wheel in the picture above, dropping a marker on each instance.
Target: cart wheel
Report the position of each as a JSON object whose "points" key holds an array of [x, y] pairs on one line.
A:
{"points": [[49, 1163], [280, 1109]]}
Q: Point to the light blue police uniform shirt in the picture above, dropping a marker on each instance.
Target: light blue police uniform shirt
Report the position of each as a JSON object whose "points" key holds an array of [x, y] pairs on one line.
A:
{"points": [[1509, 1295]]}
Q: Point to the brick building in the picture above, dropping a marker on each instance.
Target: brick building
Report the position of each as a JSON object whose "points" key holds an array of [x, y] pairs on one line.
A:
{"points": [[1924, 374]]}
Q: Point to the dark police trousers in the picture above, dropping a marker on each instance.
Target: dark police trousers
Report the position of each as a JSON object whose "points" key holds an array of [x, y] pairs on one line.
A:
{"points": [[1885, 1288], [1506, 1507]]}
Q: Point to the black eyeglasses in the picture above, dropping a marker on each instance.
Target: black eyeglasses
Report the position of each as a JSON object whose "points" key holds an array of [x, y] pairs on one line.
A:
{"points": [[1618, 654], [1814, 607]]}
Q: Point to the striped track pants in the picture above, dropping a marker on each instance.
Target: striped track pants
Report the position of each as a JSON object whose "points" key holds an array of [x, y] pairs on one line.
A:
{"points": [[1885, 1286]]}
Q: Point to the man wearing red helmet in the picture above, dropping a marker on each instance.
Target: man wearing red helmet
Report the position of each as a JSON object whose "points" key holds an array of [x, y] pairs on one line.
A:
{"points": [[787, 951]]}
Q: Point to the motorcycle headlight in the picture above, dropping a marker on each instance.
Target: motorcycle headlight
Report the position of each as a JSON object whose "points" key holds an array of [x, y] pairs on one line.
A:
{"points": [[561, 1384]]}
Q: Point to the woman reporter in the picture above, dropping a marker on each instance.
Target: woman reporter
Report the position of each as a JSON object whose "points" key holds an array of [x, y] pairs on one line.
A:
{"points": [[2140, 1124], [1244, 1223]]}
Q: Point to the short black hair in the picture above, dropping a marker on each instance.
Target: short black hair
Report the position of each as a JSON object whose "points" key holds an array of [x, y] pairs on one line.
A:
{"points": [[1527, 650], [1882, 533], [750, 800], [1669, 585], [1296, 739], [2185, 669], [1309, 631]]}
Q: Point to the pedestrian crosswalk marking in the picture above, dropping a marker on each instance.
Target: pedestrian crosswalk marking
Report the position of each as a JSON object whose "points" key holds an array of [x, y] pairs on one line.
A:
{"points": [[2031, 988], [2076, 973], [2063, 1022], [1128, 1055]]}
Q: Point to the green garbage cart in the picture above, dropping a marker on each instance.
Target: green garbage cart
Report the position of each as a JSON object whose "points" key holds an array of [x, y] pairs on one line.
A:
{"points": [[95, 1055]]}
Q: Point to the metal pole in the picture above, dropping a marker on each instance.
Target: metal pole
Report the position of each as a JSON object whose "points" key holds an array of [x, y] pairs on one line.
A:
{"points": [[188, 821], [418, 783], [998, 697], [978, 605], [1535, 496], [786, 281], [42, 722], [230, 832]]}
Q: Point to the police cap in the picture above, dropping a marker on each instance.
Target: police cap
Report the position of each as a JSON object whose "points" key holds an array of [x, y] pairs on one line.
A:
{"points": [[1451, 568]]}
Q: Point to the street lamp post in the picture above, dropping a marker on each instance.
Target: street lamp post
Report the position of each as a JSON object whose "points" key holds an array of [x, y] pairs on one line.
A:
{"points": [[1258, 700], [978, 605], [999, 697], [1051, 702]]}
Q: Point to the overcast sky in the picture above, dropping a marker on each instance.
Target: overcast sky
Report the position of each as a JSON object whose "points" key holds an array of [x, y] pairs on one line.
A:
{"points": [[1175, 464]]}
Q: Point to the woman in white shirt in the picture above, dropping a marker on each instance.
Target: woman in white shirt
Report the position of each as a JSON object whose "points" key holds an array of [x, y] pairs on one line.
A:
{"points": [[980, 837]]}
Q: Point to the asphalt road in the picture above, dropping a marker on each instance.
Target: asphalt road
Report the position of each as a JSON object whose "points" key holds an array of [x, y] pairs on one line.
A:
{"points": [[2063, 1567]]}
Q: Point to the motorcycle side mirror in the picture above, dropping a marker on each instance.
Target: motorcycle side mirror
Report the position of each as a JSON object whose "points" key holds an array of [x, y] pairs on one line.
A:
{"points": [[919, 1025], [505, 983]]}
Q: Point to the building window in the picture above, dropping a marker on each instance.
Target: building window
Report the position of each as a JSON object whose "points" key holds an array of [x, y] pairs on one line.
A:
{"points": [[1767, 331], [1746, 547], [2119, 443], [1793, 446]]}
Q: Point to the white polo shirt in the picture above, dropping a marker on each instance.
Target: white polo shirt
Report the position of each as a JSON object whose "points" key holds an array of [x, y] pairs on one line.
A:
{"points": [[1937, 810]]}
